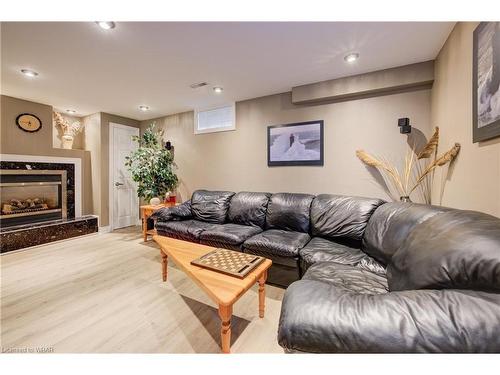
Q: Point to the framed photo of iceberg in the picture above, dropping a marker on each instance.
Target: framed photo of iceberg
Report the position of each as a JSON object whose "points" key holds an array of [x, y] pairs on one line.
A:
{"points": [[295, 144], [486, 81]]}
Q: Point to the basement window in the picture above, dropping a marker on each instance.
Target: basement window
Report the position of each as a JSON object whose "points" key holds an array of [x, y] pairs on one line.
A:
{"points": [[213, 120]]}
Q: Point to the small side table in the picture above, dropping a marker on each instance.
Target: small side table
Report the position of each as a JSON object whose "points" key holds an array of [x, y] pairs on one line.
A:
{"points": [[146, 212]]}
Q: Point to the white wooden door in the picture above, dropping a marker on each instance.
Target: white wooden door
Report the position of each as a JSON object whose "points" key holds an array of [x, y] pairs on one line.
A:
{"points": [[124, 201]]}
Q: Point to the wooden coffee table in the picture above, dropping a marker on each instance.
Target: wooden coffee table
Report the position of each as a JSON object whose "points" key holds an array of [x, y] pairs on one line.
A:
{"points": [[223, 289]]}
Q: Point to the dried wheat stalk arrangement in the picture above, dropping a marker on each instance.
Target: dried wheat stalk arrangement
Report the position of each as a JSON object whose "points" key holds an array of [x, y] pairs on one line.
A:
{"points": [[417, 170]]}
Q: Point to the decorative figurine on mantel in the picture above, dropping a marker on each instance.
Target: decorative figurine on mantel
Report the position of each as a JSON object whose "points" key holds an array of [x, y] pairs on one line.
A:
{"points": [[69, 130]]}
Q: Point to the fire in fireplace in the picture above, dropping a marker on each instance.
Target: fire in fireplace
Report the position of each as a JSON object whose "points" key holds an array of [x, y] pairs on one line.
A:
{"points": [[29, 196]]}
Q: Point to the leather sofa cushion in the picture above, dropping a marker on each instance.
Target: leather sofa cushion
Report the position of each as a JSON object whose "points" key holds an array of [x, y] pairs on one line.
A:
{"points": [[231, 234], [457, 249], [391, 224], [248, 208], [210, 206], [289, 211], [352, 279], [334, 216], [180, 212], [289, 262], [323, 250], [188, 230], [277, 242], [319, 317]]}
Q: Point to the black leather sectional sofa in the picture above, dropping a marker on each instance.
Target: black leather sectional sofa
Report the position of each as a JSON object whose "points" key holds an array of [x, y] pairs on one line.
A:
{"points": [[372, 276]]}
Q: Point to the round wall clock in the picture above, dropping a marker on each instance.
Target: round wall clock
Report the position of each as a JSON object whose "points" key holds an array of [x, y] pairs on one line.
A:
{"points": [[28, 122]]}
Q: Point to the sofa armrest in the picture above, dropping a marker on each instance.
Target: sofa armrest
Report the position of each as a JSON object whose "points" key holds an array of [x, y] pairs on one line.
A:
{"points": [[174, 213], [320, 318]]}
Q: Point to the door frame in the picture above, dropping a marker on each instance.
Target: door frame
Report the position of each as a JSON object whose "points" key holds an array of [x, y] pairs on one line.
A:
{"points": [[111, 167]]}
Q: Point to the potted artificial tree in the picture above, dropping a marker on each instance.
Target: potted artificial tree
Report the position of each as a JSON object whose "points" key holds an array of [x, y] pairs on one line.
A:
{"points": [[152, 167]]}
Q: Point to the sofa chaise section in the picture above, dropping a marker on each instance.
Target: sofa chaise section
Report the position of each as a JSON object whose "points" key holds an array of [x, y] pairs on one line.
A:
{"points": [[441, 293]]}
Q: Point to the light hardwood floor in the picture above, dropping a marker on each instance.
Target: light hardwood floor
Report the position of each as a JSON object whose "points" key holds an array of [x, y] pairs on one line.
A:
{"points": [[104, 294]]}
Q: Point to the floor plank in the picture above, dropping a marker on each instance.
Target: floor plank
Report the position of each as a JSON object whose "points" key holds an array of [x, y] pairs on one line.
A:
{"points": [[104, 294]]}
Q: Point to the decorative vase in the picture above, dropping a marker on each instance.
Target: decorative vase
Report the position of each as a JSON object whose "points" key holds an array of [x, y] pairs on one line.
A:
{"points": [[154, 201], [67, 141], [405, 198]]}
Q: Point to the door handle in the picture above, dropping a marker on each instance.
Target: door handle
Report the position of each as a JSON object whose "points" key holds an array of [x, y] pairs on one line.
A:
{"points": [[119, 184]]}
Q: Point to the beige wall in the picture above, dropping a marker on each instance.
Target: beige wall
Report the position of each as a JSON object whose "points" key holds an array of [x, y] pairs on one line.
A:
{"points": [[237, 160], [16, 141], [473, 182]]}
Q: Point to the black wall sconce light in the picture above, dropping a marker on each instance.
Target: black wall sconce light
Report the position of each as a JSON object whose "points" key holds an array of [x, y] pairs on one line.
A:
{"points": [[170, 147], [404, 125]]}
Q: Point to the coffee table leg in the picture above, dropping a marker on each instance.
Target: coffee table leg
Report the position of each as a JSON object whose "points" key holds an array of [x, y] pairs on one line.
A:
{"points": [[262, 293], [225, 313], [164, 264], [145, 226]]}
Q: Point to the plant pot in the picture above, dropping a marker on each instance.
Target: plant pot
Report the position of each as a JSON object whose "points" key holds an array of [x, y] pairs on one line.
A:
{"points": [[154, 201]]}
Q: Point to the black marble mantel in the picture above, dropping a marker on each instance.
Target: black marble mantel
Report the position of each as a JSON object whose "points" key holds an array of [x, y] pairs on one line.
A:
{"points": [[70, 175]]}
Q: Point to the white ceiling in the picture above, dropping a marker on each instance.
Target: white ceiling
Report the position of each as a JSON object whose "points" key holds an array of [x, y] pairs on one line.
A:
{"points": [[88, 69]]}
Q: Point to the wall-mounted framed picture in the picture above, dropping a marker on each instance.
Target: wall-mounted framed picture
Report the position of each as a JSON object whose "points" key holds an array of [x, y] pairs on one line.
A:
{"points": [[295, 144], [486, 81]]}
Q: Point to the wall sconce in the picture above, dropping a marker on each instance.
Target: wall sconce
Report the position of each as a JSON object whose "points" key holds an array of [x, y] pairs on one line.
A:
{"points": [[404, 125]]}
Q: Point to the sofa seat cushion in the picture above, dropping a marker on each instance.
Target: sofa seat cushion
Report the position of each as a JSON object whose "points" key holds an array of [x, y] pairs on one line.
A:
{"points": [[231, 234], [277, 242], [188, 230], [321, 318], [348, 278], [323, 250]]}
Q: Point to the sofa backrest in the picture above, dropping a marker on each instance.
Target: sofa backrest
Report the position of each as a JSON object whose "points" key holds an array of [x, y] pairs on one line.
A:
{"points": [[456, 249], [289, 211], [210, 206], [248, 208], [338, 216], [391, 224]]}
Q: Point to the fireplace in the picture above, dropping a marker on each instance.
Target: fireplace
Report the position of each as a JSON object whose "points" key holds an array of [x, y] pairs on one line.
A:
{"points": [[32, 196]]}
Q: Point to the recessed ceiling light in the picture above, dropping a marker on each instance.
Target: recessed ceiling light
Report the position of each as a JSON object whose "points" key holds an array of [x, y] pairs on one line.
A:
{"points": [[218, 89], [144, 108], [71, 111], [29, 73], [106, 25], [350, 58]]}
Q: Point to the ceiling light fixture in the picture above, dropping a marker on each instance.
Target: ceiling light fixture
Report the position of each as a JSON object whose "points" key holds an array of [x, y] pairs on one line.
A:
{"points": [[29, 73], [218, 89], [71, 111], [144, 108], [350, 58], [106, 25]]}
